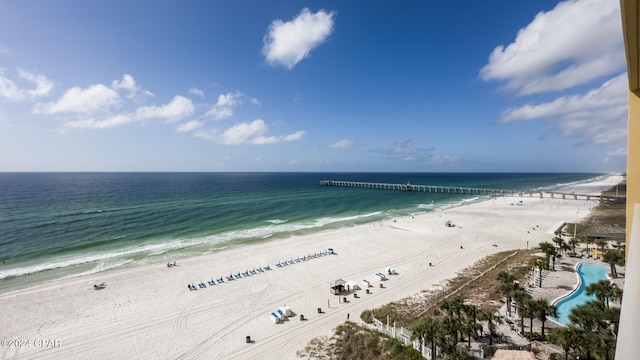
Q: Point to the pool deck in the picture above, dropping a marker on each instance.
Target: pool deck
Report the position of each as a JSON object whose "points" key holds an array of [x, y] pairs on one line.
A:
{"points": [[560, 283], [555, 285]]}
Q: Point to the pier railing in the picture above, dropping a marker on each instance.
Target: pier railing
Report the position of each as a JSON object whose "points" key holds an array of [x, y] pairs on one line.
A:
{"points": [[462, 190]]}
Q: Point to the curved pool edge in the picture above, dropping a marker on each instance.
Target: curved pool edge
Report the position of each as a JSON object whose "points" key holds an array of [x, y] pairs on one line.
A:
{"points": [[575, 288]]}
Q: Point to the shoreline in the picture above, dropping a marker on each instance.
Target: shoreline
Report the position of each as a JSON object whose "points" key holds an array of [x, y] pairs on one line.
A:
{"points": [[148, 311], [27, 273]]}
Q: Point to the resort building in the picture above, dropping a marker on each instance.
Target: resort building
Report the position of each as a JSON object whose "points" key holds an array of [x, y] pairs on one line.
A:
{"points": [[630, 311]]}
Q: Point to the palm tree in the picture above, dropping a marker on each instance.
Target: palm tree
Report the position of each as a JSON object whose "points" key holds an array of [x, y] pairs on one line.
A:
{"points": [[549, 250], [491, 319], [540, 265], [451, 326], [602, 244], [613, 258], [603, 290], [587, 240], [588, 316], [573, 242], [612, 315], [567, 337], [507, 287], [558, 241], [523, 300], [454, 306], [531, 312], [471, 310], [428, 329], [542, 309], [596, 321], [471, 328]]}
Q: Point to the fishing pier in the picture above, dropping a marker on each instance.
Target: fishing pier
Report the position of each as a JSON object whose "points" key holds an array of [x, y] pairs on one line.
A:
{"points": [[462, 190]]}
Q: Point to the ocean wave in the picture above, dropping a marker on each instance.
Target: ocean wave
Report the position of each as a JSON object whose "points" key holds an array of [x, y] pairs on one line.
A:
{"points": [[265, 232], [101, 266], [426, 206], [559, 186], [277, 221], [154, 249]]}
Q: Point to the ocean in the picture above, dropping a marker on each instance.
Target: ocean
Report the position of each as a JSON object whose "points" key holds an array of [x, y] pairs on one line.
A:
{"points": [[61, 225]]}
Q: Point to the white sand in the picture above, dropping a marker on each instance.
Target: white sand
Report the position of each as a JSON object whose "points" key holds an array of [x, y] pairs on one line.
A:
{"points": [[148, 313]]}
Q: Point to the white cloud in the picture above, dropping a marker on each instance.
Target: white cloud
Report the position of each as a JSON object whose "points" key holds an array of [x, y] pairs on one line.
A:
{"points": [[287, 43], [224, 106], [406, 151], [11, 91], [196, 91], [109, 122], [127, 83], [179, 108], [190, 126], [600, 115], [95, 98], [229, 100], [610, 94], [243, 132], [262, 140], [615, 155], [252, 133], [574, 43], [344, 144]]}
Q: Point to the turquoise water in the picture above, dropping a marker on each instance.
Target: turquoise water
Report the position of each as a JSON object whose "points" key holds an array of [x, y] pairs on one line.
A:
{"points": [[56, 225], [589, 274]]}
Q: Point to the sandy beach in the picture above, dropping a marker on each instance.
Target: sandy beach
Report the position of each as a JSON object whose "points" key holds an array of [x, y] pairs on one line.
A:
{"points": [[148, 312]]}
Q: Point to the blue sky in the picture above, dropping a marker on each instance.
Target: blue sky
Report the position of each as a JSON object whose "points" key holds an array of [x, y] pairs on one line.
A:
{"points": [[425, 86]]}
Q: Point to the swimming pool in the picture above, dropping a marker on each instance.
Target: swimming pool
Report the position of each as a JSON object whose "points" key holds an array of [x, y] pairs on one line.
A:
{"points": [[588, 274]]}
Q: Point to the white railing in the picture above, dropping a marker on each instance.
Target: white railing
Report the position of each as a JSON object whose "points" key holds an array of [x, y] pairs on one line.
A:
{"points": [[630, 310], [403, 335]]}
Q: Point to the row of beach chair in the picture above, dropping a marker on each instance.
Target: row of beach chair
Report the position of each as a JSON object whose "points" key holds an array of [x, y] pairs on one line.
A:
{"points": [[221, 279], [292, 261]]}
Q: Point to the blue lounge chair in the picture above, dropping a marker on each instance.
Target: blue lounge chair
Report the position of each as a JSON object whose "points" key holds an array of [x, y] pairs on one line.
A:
{"points": [[275, 318], [281, 314]]}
